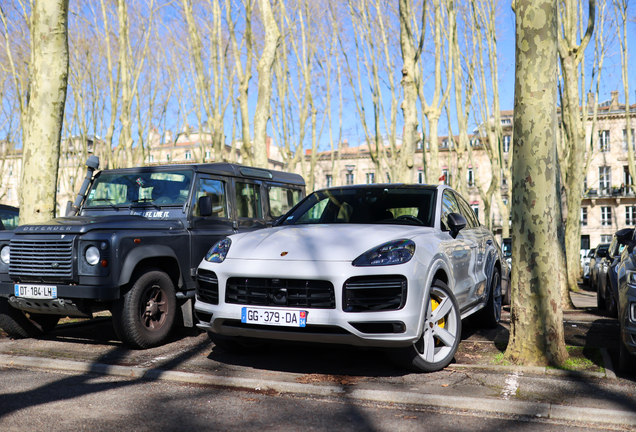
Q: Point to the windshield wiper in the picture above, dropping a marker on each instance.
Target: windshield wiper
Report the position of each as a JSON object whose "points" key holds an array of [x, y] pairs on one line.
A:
{"points": [[110, 202], [144, 200]]}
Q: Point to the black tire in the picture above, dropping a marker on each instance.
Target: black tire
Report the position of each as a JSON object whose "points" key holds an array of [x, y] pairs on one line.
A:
{"points": [[243, 346], [490, 315], [626, 361], [611, 302], [144, 316], [600, 300], [441, 334], [19, 324]]}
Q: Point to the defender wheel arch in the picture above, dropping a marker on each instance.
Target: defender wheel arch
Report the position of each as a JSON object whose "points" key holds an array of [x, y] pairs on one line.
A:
{"points": [[151, 256]]}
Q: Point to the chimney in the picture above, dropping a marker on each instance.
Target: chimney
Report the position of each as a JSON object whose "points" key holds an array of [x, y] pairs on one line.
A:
{"points": [[344, 144], [614, 102]]}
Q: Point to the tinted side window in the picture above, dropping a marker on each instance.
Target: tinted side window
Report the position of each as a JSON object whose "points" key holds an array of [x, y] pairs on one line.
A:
{"points": [[282, 199], [248, 200], [449, 205], [215, 189], [467, 212]]}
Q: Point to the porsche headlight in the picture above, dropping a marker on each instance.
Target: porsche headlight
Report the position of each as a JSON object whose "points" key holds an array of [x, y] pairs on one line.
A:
{"points": [[5, 255], [92, 255], [218, 252], [391, 253]]}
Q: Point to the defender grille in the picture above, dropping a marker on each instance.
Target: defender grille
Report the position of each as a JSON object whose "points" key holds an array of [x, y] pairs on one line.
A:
{"points": [[280, 292], [36, 259], [207, 286], [374, 293]]}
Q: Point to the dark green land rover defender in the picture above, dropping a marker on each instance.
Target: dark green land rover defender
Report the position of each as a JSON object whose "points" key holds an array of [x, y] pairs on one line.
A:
{"points": [[131, 244]]}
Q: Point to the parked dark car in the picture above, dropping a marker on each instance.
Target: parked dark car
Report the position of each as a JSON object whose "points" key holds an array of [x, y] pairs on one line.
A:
{"points": [[607, 263], [595, 263], [506, 248], [131, 244], [586, 266], [626, 287], [8, 217]]}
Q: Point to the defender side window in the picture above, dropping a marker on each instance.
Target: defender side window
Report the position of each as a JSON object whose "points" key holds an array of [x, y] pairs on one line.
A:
{"points": [[248, 200], [282, 199], [215, 189]]}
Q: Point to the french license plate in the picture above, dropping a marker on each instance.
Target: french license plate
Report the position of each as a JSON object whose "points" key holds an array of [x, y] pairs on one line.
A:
{"points": [[35, 291], [276, 317]]}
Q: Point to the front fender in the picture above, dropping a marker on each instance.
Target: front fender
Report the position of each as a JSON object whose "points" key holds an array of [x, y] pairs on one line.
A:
{"points": [[138, 254]]}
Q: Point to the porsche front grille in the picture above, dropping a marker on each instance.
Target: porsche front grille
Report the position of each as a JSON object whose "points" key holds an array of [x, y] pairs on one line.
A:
{"points": [[374, 293], [315, 294]]}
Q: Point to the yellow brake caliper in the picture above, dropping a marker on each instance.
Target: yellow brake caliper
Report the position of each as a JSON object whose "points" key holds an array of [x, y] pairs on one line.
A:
{"points": [[440, 323]]}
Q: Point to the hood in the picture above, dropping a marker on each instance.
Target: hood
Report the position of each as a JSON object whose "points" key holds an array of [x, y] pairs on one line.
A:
{"points": [[83, 224], [318, 242]]}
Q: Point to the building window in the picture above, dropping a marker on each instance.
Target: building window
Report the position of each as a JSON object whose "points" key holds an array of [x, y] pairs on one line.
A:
{"points": [[604, 178], [444, 143], [585, 185], [604, 140], [606, 216], [207, 154], [630, 215], [349, 178], [420, 176], [606, 238], [625, 139], [151, 158], [444, 178], [471, 177], [585, 241], [475, 142], [10, 170], [329, 179], [168, 157], [370, 178], [419, 145], [9, 193], [388, 178], [583, 216], [506, 143], [475, 208], [188, 155], [627, 179], [506, 121]]}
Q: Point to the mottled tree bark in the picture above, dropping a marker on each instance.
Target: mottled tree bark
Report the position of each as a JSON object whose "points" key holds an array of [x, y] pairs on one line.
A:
{"points": [[45, 111], [536, 333]]}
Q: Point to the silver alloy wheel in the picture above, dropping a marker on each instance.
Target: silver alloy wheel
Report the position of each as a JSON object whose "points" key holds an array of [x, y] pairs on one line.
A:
{"points": [[441, 328]]}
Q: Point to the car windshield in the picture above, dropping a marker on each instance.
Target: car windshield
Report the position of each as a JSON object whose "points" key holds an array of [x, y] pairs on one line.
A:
{"points": [[413, 206], [158, 188]]}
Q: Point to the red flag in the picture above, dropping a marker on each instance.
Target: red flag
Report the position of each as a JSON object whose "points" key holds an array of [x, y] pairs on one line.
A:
{"points": [[443, 177]]}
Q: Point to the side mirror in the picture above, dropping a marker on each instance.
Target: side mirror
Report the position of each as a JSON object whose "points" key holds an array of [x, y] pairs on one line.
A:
{"points": [[456, 222], [205, 206], [601, 253]]}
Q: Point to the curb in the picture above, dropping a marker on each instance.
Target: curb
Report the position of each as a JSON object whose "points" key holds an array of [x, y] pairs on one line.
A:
{"points": [[533, 409]]}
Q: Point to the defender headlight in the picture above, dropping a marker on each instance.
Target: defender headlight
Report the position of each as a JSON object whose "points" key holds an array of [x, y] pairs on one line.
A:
{"points": [[390, 253], [92, 255], [5, 255], [631, 277], [219, 251]]}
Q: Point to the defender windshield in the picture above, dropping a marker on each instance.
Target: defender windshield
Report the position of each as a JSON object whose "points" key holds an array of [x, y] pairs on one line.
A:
{"points": [[414, 206], [159, 188]]}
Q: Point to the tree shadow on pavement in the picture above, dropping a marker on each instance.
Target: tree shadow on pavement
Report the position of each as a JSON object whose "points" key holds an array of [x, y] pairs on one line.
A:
{"points": [[75, 386]]}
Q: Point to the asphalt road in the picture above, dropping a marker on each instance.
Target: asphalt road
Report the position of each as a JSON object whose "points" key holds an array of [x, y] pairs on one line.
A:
{"points": [[35, 400]]}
